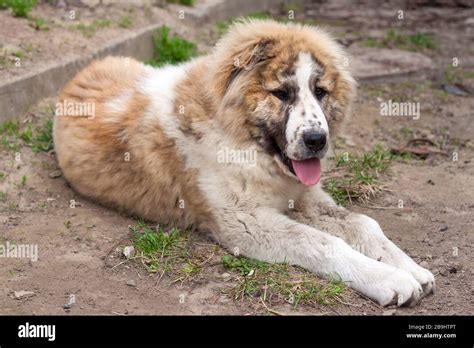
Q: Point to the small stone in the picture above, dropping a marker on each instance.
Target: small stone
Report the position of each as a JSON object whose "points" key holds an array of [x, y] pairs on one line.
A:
{"points": [[424, 264], [128, 251], [23, 294], [56, 173], [456, 89], [225, 275], [443, 228], [131, 283]]}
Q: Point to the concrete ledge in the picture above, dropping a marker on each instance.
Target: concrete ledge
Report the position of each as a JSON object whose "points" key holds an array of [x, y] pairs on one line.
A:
{"points": [[17, 96], [374, 65]]}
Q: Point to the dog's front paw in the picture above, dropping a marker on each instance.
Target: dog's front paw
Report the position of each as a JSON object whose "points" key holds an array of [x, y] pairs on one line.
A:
{"points": [[391, 286], [400, 288], [423, 276]]}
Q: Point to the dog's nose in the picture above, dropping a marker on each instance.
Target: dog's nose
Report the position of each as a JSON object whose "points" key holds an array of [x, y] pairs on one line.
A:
{"points": [[314, 140]]}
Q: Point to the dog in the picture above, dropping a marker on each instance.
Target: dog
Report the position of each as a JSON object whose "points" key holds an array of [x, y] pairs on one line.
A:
{"points": [[231, 144]]}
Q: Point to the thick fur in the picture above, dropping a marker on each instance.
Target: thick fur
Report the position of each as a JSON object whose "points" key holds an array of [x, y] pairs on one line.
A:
{"points": [[152, 149]]}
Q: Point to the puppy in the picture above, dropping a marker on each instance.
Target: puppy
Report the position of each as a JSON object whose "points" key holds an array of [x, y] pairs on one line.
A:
{"points": [[231, 143]]}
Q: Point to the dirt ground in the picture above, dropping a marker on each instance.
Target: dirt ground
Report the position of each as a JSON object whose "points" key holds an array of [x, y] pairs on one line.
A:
{"points": [[76, 30], [78, 246]]}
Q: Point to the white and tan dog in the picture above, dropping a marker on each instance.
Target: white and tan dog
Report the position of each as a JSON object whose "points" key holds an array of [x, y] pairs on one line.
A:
{"points": [[231, 143]]}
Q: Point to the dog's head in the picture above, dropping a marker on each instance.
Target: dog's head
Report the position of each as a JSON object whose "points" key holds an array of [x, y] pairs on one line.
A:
{"points": [[288, 86]]}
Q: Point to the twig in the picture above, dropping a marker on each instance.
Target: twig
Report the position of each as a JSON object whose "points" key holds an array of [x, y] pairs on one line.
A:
{"points": [[421, 140], [377, 207], [132, 258], [204, 262], [347, 303], [271, 310]]}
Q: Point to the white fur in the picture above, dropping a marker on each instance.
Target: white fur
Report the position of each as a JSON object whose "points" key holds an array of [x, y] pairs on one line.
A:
{"points": [[117, 105], [159, 85]]}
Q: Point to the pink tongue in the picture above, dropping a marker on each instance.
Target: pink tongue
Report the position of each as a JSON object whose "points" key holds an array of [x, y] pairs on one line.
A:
{"points": [[308, 171]]}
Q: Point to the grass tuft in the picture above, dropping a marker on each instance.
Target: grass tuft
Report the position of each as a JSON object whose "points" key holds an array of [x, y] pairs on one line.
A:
{"points": [[43, 140], [279, 283], [182, 2], [357, 177], [125, 22], [409, 42], [170, 50], [19, 8], [161, 251], [38, 24], [89, 29], [39, 139]]}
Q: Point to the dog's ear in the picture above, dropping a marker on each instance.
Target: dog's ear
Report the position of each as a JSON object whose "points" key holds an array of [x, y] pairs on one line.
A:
{"points": [[243, 60], [252, 55]]}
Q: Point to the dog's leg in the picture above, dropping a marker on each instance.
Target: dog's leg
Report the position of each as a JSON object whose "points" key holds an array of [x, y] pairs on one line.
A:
{"points": [[362, 233], [267, 235]]}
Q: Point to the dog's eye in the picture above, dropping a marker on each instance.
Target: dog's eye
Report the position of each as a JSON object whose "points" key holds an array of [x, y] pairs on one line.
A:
{"points": [[281, 94], [320, 92]]}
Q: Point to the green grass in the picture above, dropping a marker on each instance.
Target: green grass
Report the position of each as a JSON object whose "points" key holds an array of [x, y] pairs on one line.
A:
{"points": [[43, 140], [39, 138], [162, 251], [125, 22], [279, 283], [441, 94], [408, 42], [456, 74], [19, 8], [89, 29], [170, 49], [9, 133], [357, 177], [38, 24], [182, 2]]}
